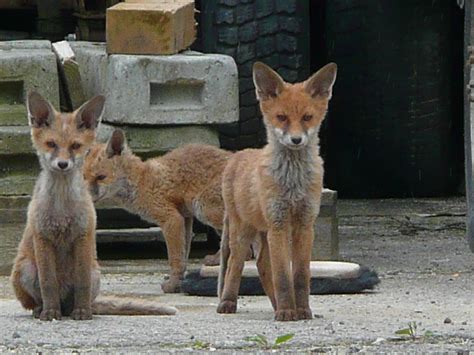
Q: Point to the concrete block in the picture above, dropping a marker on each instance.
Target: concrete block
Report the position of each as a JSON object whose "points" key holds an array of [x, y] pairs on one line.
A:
{"points": [[17, 185], [326, 237], [15, 140], [153, 141], [92, 60], [188, 88], [164, 27], [10, 236], [25, 66]]}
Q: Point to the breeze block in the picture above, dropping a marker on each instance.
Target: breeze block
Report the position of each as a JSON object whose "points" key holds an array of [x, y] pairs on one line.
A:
{"points": [[25, 66], [179, 89]]}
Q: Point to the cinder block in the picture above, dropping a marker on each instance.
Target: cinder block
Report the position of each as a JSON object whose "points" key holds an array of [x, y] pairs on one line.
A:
{"points": [[179, 89], [150, 27], [326, 237], [92, 59], [189, 88], [186, 88], [24, 66], [153, 141]]}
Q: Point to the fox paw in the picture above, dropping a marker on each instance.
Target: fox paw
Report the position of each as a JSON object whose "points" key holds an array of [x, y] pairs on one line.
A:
{"points": [[81, 314], [37, 311], [285, 315], [50, 314], [227, 307], [212, 259], [304, 313], [171, 286]]}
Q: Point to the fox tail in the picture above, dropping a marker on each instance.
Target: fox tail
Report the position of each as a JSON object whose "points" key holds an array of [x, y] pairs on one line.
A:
{"points": [[113, 305]]}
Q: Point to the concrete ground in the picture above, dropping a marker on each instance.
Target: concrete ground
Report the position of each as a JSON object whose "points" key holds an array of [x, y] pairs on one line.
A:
{"points": [[418, 248]]}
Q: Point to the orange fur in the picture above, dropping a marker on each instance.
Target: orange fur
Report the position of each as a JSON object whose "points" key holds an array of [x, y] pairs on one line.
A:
{"points": [[55, 272], [275, 192], [168, 190]]}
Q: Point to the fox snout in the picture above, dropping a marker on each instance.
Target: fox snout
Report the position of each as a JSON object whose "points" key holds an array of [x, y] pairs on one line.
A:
{"points": [[292, 141], [63, 165]]}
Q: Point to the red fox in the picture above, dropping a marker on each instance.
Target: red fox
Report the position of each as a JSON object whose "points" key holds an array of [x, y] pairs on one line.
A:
{"points": [[55, 272], [275, 193], [169, 190]]}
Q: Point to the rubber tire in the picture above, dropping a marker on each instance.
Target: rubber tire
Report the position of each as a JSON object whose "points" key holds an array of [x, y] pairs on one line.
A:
{"points": [[395, 121], [275, 32]]}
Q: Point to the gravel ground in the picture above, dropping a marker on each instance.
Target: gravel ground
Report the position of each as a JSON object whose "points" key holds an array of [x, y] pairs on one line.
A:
{"points": [[417, 246]]}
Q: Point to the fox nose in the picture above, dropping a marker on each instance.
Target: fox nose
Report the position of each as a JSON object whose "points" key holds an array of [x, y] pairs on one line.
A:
{"points": [[63, 164], [296, 140]]}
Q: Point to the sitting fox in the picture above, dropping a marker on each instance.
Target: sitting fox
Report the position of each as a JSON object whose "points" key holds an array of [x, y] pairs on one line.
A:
{"points": [[169, 190], [276, 192], [56, 273]]}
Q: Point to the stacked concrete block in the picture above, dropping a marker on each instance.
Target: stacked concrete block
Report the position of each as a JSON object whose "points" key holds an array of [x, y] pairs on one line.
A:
{"points": [[24, 66], [150, 27], [183, 89], [188, 88]]}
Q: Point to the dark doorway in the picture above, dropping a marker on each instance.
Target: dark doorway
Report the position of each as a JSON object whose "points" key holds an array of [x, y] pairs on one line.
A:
{"points": [[394, 126]]}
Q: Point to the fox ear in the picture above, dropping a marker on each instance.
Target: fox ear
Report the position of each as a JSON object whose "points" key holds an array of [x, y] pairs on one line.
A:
{"points": [[116, 143], [40, 111], [320, 84], [88, 115], [267, 82]]}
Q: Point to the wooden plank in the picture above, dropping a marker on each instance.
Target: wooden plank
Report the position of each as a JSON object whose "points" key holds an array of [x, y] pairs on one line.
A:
{"points": [[151, 27]]}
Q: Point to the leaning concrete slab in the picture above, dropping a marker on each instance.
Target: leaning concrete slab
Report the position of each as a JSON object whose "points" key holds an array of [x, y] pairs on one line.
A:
{"points": [[92, 59], [189, 88], [25, 66]]}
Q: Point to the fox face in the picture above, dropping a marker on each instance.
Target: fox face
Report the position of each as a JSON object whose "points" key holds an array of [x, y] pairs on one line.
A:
{"points": [[101, 167], [62, 139], [293, 113]]}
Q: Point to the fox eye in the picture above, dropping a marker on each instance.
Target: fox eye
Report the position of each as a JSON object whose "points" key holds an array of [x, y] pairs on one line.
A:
{"points": [[51, 144], [76, 146], [282, 118], [100, 177], [307, 118]]}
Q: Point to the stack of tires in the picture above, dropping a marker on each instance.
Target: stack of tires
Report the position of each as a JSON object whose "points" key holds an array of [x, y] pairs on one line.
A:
{"points": [[395, 123], [275, 32]]}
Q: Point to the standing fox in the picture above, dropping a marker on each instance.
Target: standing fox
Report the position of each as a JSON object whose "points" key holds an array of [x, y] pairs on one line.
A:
{"points": [[276, 191], [56, 272], [168, 190]]}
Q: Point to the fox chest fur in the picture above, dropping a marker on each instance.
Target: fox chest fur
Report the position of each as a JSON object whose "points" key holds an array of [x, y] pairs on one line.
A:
{"points": [[61, 208], [295, 179]]}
